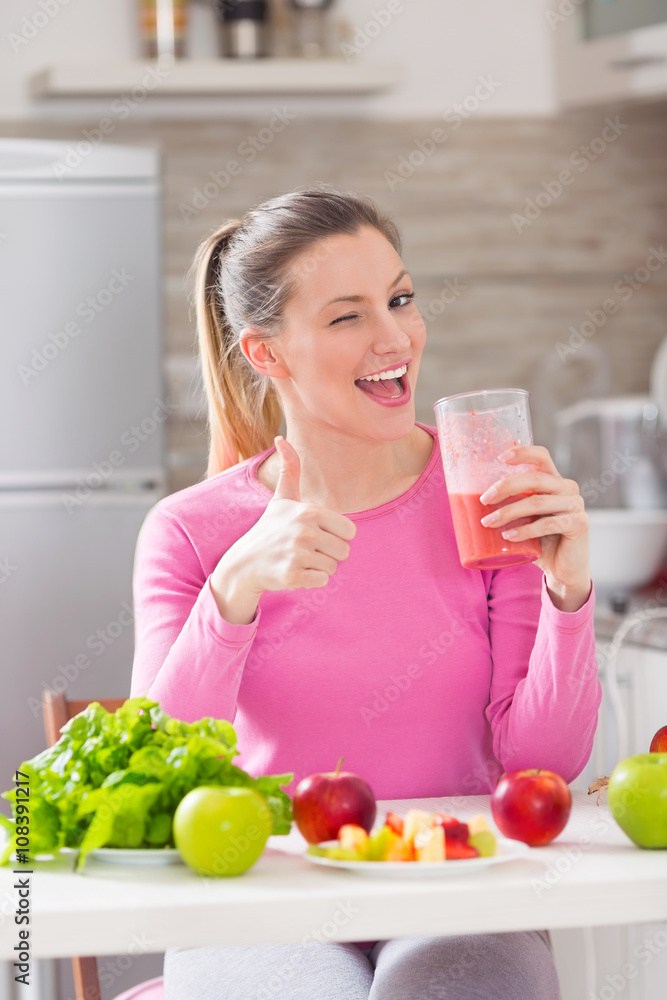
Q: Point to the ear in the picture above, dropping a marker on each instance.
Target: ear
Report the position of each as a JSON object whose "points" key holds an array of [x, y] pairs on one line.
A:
{"points": [[260, 354]]}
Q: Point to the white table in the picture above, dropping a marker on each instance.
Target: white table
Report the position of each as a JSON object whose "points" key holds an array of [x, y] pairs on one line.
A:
{"points": [[590, 875]]}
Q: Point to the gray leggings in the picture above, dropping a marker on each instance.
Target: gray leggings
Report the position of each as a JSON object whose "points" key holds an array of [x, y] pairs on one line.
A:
{"points": [[509, 966]]}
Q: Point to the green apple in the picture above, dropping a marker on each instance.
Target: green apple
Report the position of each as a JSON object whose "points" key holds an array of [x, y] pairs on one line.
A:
{"points": [[221, 830], [637, 796]]}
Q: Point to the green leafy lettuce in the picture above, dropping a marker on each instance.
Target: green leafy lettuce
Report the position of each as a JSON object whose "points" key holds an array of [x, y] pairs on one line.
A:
{"points": [[114, 779]]}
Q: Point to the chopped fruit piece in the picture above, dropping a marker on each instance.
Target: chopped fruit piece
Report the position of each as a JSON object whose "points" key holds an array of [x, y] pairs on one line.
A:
{"points": [[454, 828], [395, 822], [353, 837], [485, 842], [455, 850], [415, 820], [401, 850], [339, 853], [430, 844], [379, 843], [477, 823]]}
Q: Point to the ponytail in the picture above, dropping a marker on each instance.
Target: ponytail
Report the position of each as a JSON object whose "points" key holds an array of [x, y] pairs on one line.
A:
{"points": [[244, 415]]}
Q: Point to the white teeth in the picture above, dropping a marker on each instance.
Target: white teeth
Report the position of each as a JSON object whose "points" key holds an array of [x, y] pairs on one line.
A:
{"points": [[384, 375]]}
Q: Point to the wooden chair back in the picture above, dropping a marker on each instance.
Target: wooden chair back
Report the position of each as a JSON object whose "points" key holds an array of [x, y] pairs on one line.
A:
{"points": [[56, 711]]}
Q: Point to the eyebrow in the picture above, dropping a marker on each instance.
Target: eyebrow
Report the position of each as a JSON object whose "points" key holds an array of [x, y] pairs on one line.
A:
{"points": [[360, 298]]}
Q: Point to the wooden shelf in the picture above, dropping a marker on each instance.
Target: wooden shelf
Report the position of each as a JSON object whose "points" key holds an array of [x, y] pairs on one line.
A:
{"points": [[211, 77]]}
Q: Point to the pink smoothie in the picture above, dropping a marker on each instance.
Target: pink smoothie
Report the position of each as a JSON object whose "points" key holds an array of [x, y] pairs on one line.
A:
{"points": [[485, 548]]}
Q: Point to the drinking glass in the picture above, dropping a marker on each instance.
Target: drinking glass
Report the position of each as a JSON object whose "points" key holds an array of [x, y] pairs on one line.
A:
{"points": [[474, 428]]}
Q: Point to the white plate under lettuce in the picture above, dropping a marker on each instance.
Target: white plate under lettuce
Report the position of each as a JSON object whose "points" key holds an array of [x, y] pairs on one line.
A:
{"points": [[507, 850], [131, 855]]}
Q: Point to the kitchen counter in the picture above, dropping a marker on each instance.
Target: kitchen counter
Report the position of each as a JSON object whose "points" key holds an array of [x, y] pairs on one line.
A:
{"points": [[591, 875], [646, 604], [651, 633]]}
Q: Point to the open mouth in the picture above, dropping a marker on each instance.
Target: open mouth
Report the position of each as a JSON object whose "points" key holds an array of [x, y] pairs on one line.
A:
{"points": [[387, 388]]}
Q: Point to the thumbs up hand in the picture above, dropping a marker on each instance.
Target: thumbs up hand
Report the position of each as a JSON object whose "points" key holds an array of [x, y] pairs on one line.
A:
{"points": [[293, 544]]}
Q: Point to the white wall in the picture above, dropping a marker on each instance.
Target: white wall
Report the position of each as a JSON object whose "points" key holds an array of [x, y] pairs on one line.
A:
{"points": [[445, 46]]}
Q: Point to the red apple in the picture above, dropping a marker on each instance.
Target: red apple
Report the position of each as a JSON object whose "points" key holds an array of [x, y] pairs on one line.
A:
{"points": [[532, 805], [322, 803], [659, 741]]}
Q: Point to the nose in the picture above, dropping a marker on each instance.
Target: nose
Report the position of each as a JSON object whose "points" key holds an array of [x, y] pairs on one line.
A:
{"points": [[389, 337]]}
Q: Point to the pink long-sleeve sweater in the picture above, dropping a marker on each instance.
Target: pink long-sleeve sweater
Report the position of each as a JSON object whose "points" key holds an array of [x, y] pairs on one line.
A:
{"points": [[428, 678]]}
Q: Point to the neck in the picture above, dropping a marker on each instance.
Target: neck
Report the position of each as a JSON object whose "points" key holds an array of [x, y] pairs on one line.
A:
{"points": [[347, 473]]}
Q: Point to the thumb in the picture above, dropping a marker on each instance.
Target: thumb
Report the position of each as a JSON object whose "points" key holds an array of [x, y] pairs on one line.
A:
{"points": [[290, 470]]}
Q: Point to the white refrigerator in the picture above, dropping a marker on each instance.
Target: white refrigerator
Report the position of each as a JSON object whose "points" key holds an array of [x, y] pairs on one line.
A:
{"points": [[83, 414]]}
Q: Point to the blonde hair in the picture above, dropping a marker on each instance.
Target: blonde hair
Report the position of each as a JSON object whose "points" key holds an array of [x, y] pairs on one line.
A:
{"points": [[243, 275]]}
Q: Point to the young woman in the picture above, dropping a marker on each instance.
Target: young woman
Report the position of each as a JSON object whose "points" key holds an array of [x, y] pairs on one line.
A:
{"points": [[310, 590]]}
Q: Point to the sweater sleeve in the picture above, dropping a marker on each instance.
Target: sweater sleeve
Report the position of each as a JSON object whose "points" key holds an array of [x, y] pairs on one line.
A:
{"points": [[545, 691], [186, 655]]}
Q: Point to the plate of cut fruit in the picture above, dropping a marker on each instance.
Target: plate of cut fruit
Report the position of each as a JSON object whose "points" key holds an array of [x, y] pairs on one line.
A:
{"points": [[422, 844]]}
